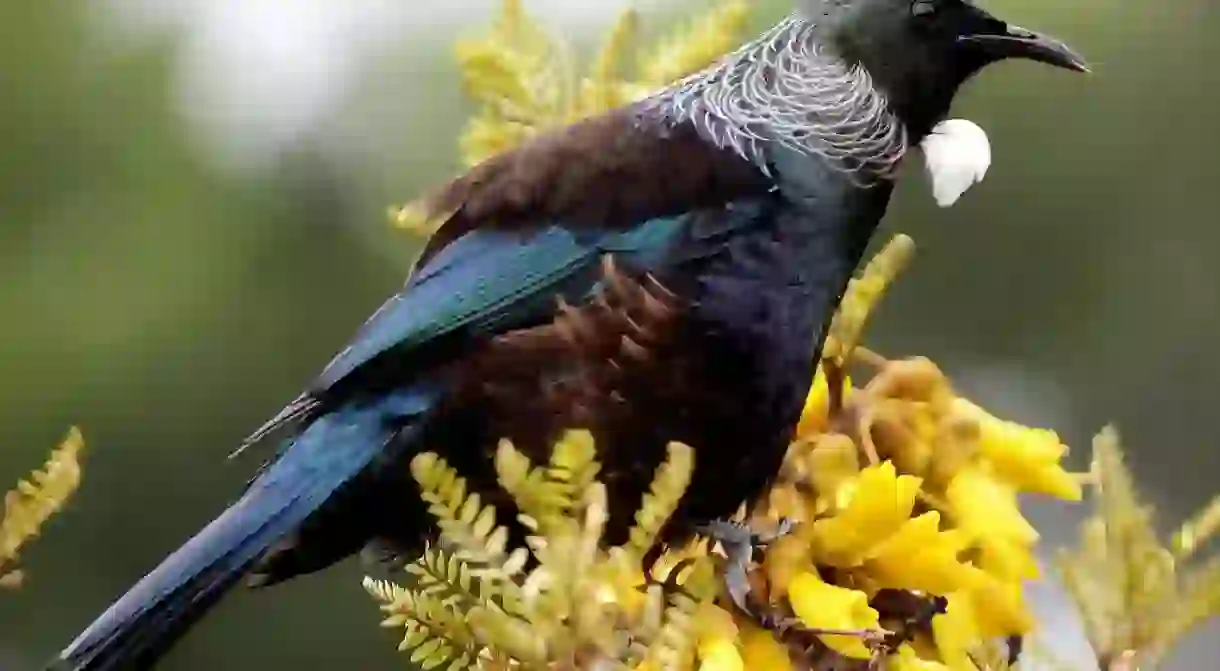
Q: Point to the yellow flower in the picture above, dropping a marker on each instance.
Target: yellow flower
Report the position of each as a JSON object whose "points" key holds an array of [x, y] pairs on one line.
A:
{"points": [[760, 650], [832, 467], [921, 557], [713, 622], [984, 507], [999, 608], [786, 558], [881, 502], [906, 659], [784, 501], [1006, 559], [717, 633], [986, 511], [1028, 458], [719, 654], [823, 606], [956, 633]]}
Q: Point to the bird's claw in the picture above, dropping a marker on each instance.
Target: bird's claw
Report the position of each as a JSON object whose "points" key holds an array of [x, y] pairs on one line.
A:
{"points": [[739, 542], [671, 580], [739, 535]]}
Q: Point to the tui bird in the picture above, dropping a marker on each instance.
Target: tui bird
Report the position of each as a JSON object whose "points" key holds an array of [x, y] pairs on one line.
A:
{"points": [[663, 271]]}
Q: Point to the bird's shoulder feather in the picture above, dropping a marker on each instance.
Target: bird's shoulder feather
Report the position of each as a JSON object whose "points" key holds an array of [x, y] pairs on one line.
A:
{"points": [[614, 170]]}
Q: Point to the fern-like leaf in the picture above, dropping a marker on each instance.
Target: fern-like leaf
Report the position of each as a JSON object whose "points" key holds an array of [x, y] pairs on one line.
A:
{"points": [[1143, 570], [1198, 601], [696, 45], [862, 296], [1198, 530], [464, 521], [526, 484], [435, 634], [450, 578], [605, 87], [668, 486], [35, 499], [572, 471], [674, 645], [548, 496]]}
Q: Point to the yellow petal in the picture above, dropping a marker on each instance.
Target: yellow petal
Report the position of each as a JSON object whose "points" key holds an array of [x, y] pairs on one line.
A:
{"points": [[956, 632], [713, 622], [1029, 458], [760, 650], [785, 501], [719, 654], [1000, 608], [816, 414], [823, 606], [881, 502], [983, 506], [786, 558], [1006, 559], [833, 465], [920, 557], [906, 659]]}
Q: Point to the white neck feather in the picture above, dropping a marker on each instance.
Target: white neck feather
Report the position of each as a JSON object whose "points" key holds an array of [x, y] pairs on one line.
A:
{"points": [[782, 89]]}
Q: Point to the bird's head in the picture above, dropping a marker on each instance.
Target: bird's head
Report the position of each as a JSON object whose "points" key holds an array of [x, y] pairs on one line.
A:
{"points": [[919, 52]]}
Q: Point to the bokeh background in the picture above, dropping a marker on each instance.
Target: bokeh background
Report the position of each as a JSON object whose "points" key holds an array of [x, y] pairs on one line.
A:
{"points": [[192, 220]]}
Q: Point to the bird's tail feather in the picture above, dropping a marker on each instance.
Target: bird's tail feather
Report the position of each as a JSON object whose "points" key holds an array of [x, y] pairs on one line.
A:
{"points": [[138, 628]]}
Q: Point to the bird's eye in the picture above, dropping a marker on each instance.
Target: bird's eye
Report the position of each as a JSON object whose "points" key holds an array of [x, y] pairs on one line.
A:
{"points": [[923, 9]]}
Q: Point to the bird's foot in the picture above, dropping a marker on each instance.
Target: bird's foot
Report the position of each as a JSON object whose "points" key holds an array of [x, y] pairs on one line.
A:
{"points": [[739, 542]]}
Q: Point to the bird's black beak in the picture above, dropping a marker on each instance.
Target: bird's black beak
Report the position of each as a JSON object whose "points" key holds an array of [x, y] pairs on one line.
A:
{"points": [[1000, 40]]}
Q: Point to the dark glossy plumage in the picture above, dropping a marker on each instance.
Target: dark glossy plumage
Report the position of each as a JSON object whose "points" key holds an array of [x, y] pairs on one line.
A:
{"points": [[697, 326]]}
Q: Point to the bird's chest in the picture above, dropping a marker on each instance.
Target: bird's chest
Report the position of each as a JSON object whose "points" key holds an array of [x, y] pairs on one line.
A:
{"points": [[764, 296], [758, 310]]}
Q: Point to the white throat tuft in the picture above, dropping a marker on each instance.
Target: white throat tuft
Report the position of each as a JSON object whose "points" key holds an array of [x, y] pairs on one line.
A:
{"points": [[956, 155]]}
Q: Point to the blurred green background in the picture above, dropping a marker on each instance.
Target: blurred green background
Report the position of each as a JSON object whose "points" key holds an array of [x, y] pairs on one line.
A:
{"points": [[192, 201]]}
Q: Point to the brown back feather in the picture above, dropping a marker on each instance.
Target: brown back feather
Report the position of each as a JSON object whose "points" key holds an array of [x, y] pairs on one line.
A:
{"points": [[624, 367], [608, 366], [571, 372], [615, 169]]}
